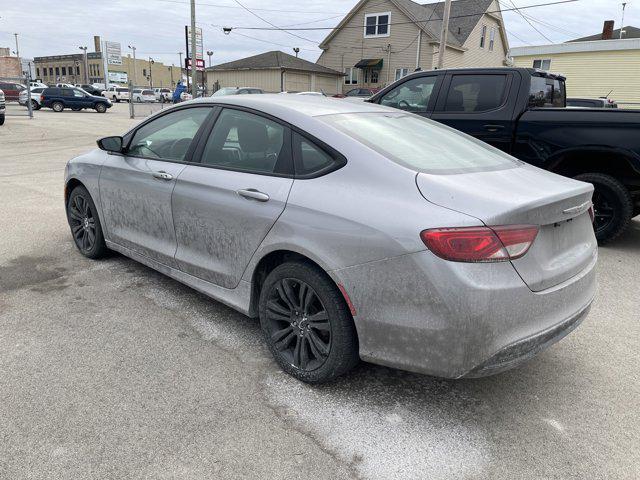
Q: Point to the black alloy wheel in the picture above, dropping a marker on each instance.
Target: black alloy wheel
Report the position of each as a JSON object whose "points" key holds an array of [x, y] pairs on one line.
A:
{"points": [[298, 324], [84, 223], [307, 323], [612, 205]]}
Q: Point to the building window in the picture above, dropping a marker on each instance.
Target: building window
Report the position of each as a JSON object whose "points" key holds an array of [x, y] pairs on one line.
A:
{"points": [[542, 64], [374, 76], [484, 36], [377, 24], [64, 71], [492, 39], [57, 71], [144, 72], [37, 72], [51, 71], [401, 72], [77, 69], [351, 76]]}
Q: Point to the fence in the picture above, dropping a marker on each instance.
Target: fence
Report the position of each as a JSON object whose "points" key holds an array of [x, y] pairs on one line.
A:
{"points": [[12, 86]]}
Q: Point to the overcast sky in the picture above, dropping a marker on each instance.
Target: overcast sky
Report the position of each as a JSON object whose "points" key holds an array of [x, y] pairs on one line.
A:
{"points": [[156, 27]]}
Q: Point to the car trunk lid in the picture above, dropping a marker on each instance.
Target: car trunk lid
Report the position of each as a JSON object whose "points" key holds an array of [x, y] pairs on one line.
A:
{"points": [[526, 195]]}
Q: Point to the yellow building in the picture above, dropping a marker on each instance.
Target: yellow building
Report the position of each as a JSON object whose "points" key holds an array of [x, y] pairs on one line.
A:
{"points": [[594, 68]]}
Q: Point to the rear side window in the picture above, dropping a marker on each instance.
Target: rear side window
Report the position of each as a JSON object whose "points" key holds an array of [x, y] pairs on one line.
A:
{"points": [[67, 92], [51, 91], [475, 93], [311, 159], [248, 142], [546, 92]]}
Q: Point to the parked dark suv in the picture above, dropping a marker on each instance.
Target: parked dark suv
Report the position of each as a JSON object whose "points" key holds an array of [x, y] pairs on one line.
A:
{"points": [[59, 98]]}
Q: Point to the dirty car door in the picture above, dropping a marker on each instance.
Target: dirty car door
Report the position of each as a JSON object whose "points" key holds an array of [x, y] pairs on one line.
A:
{"points": [[224, 207], [136, 187]]}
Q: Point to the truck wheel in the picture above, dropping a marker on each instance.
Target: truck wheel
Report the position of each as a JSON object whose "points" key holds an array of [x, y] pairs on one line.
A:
{"points": [[612, 205], [57, 106]]}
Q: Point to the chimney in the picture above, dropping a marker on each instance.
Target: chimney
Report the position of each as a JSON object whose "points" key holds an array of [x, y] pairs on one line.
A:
{"points": [[96, 43], [607, 30]]}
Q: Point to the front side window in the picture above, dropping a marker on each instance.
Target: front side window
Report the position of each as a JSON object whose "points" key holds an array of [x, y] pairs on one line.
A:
{"points": [[169, 136], [542, 64], [413, 95], [420, 144], [475, 93], [248, 142], [377, 24], [78, 93], [351, 76]]}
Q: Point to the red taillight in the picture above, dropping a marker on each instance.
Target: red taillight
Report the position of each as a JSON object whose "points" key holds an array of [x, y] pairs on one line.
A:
{"points": [[480, 244]]}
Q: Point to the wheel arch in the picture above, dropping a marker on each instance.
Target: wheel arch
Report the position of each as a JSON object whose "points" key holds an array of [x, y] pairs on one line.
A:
{"points": [[71, 184], [271, 260], [619, 163]]}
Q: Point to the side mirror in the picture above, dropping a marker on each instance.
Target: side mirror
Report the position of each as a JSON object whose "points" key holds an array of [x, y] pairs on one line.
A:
{"points": [[111, 144]]}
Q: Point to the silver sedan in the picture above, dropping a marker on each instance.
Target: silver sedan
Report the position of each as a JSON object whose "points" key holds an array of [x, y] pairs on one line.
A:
{"points": [[353, 231]]}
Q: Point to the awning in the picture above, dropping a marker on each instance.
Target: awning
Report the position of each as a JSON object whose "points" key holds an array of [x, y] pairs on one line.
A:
{"points": [[369, 63]]}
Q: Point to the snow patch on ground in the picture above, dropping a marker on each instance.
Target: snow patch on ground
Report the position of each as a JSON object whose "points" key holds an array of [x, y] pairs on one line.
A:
{"points": [[366, 425]]}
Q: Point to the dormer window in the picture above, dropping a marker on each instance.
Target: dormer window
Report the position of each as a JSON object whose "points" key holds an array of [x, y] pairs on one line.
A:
{"points": [[377, 24]]}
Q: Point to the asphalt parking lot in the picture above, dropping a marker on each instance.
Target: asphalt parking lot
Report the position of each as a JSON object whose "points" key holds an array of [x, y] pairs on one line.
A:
{"points": [[110, 370]]}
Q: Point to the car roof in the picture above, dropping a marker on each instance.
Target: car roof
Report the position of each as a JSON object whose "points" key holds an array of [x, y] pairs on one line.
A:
{"points": [[292, 106]]}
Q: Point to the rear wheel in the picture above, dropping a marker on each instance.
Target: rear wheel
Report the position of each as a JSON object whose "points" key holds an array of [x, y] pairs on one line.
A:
{"points": [[101, 107], [307, 324], [86, 230], [612, 205], [57, 106], [35, 105]]}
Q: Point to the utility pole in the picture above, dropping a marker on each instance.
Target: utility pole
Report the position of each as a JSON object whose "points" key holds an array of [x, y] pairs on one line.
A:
{"points": [[443, 33], [86, 64], [171, 74], [151, 62], [624, 5], [194, 52], [133, 49]]}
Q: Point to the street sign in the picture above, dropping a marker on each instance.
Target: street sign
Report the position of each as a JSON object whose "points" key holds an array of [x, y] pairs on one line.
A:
{"points": [[199, 64], [199, 48], [114, 53]]}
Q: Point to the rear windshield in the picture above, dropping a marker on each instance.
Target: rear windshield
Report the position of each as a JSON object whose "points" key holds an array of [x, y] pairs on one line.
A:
{"points": [[147, 92], [420, 144], [121, 90], [546, 92]]}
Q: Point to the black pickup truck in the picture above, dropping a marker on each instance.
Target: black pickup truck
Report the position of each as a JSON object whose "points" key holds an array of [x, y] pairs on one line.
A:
{"points": [[522, 112]]}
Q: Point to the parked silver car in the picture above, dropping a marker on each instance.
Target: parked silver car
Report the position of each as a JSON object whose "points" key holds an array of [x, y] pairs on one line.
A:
{"points": [[354, 231]]}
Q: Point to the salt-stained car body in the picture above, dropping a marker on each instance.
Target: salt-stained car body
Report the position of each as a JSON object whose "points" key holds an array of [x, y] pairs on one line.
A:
{"points": [[351, 230]]}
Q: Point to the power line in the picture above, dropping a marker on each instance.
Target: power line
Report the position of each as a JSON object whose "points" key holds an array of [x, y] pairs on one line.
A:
{"points": [[258, 9], [272, 24], [414, 22], [274, 43], [530, 24]]}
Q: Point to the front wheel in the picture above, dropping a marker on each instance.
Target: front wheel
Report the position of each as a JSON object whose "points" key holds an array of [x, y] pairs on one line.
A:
{"points": [[306, 323], [57, 106], [86, 229], [612, 205], [101, 108]]}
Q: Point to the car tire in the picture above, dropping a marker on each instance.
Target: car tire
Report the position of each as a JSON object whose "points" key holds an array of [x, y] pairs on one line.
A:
{"points": [[612, 203], [35, 105], [86, 229], [1, 119], [313, 351], [100, 107], [57, 106]]}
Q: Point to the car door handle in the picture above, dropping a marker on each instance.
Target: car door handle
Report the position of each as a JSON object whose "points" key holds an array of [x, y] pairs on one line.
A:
{"points": [[162, 175], [493, 128], [253, 194]]}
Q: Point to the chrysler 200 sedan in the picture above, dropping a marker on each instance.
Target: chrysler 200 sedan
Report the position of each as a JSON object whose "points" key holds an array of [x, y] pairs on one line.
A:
{"points": [[353, 231]]}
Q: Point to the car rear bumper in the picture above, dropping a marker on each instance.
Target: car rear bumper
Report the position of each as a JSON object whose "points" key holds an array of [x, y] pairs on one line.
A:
{"points": [[420, 313]]}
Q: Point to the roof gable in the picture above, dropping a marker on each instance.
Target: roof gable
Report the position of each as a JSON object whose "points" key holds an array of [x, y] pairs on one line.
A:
{"points": [[465, 15], [629, 32], [274, 59]]}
